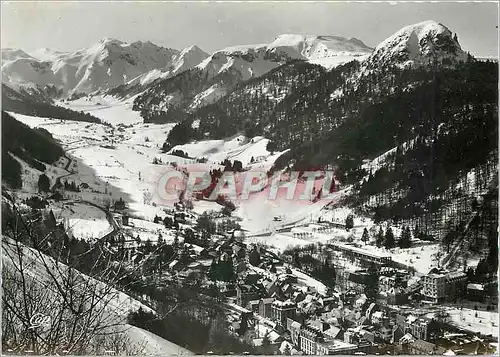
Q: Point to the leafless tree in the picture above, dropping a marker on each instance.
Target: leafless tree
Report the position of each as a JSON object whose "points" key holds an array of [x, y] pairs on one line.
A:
{"points": [[49, 307]]}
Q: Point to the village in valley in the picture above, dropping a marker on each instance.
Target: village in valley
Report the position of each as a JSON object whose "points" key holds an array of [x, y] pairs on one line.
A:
{"points": [[328, 298], [310, 195], [330, 282]]}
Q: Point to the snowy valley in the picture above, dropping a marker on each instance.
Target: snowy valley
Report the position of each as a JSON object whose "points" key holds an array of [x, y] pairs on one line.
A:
{"points": [[398, 254]]}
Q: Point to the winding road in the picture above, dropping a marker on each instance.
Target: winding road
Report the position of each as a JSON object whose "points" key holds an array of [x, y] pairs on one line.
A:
{"points": [[109, 216]]}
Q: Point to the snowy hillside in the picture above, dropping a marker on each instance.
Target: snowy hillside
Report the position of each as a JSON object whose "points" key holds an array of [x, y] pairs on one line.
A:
{"points": [[105, 107], [255, 60], [46, 54], [44, 271], [416, 45], [327, 51], [106, 64], [220, 73], [187, 58], [11, 54]]}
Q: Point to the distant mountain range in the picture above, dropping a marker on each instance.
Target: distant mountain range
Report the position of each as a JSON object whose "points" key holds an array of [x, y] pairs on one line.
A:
{"points": [[105, 65], [111, 63], [190, 78], [230, 69]]}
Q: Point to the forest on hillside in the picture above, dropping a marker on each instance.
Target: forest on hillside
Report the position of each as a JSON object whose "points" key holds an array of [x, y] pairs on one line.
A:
{"points": [[27, 104], [33, 146], [439, 122]]}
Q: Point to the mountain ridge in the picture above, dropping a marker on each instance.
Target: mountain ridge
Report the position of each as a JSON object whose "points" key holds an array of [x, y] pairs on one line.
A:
{"points": [[417, 44], [104, 65], [215, 76], [220, 73]]}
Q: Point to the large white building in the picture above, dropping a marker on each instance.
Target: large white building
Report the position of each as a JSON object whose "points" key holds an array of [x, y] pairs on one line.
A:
{"points": [[439, 286]]}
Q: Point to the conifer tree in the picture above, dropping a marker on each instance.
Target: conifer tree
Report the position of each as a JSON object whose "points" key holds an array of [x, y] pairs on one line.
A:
{"points": [[405, 239], [389, 239], [379, 238], [364, 237], [349, 222], [43, 183]]}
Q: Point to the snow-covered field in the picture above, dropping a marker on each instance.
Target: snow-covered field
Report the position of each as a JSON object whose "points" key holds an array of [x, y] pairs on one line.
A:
{"points": [[238, 148], [82, 221], [118, 307], [422, 256], [107, 108], [279, 241], [335, 60], [154, 345], [117, 160], [146, 230]]}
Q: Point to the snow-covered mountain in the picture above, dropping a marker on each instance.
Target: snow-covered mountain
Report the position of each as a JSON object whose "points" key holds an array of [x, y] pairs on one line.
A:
{"points": [[187, 58], [190, 79], [328, 51], [417, 44], [301, 100], [10, 54], [219, 73], [255, 60], [105, 65], [46, 54]]}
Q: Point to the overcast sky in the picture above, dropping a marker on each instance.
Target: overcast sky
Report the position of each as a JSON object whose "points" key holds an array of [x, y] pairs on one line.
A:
{"points": [[212, 26]]}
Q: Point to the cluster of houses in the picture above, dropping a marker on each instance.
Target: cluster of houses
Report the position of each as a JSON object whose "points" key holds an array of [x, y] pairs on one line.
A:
{"points": [[339, 327], [304, 321], [339, 324], [396, 285], [268, 298], [300, 317]]}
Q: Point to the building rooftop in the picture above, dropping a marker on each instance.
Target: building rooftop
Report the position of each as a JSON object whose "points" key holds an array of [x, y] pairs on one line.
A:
{"points": [[369, 253], [332, 332], [267, 300], [427, 347], [456, 274], [478, 287], [337, 345], [317, 226], [311, 332], [436, 272], [436, 275], [407, 338], [173, 263], [194, 265], [301, 230], [411, 319], [286, 303], [196, 248]]}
